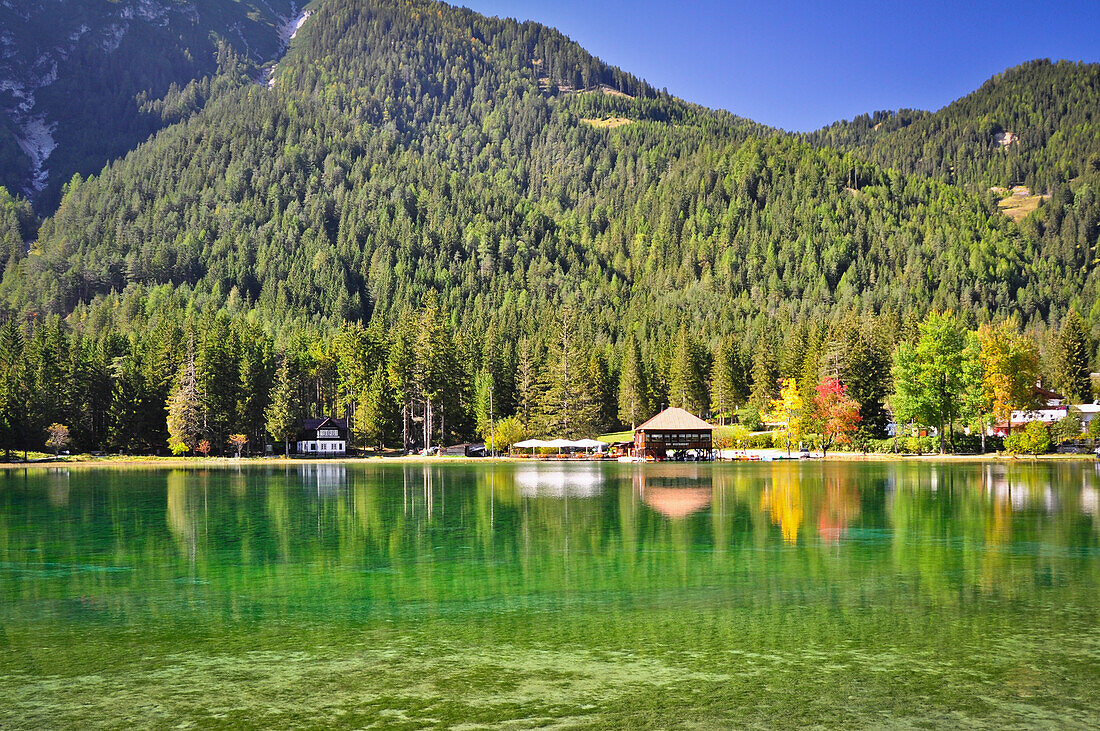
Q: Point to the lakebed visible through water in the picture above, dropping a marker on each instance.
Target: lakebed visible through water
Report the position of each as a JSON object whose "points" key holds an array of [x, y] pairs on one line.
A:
{"points": [[405, 595]]}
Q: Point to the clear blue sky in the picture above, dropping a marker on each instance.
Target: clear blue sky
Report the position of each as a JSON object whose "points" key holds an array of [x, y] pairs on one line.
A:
{"points": [[802, 65]]}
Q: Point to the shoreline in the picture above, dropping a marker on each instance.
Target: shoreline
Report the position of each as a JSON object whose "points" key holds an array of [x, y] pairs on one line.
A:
{"points": [[187, 462]]}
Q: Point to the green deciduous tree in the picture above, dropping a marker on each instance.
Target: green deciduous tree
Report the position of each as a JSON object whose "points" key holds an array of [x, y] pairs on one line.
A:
{"points": [[929, 377]]}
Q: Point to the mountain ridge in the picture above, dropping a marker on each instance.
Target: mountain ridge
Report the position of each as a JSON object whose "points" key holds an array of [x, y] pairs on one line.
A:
{"points": [[443, 102]]}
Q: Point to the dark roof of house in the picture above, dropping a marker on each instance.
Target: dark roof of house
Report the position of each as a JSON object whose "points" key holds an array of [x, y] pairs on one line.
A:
{"points": [[1047, 393], [317, 422], [675, 419]]}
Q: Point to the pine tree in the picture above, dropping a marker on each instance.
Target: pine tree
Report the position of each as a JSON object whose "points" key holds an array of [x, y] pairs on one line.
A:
{"points": [[526, 380], [727, 383], [375, 416], [687, 375], [764, 375], [1072, 358], [254, 376], [565, 404], [602, 393], [435, 360], [185, 421], [14, 389], [401, 374], [284, 409], [633, 393]]}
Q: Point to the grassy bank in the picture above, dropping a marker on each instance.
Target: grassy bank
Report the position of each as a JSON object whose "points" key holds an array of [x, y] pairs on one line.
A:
{"points": [[187, 462]]}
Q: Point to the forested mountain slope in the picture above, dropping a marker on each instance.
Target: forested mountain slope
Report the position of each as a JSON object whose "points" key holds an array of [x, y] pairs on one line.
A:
{"points": [[1037, 124], [74, 76], [427, 206], [414, 147]]}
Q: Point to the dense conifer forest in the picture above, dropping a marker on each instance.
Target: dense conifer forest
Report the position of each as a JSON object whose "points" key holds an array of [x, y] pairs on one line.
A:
{"points": [[433, 222]]}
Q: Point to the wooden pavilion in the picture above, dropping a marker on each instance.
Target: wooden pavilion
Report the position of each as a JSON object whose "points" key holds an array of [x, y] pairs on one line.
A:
{"points": [[673, 430]]}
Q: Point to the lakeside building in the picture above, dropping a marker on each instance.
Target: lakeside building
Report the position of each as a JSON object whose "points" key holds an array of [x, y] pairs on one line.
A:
{"points": [[1052, 408], [323, 437], [674, 431]]}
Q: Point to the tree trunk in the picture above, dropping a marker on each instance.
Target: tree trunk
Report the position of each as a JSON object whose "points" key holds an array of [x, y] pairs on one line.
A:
{"points": [[405, 426], [427, 425], [942, 448]]}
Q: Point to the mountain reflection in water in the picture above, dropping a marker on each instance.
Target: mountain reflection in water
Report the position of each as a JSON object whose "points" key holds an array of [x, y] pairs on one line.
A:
{"points": [[582, 590]]}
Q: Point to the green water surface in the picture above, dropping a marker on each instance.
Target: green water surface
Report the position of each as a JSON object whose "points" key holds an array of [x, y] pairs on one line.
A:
{"points": [[552, 595]]}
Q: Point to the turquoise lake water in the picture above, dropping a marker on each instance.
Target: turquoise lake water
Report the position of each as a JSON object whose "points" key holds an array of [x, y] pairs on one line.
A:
{"points": [[552, 595]]}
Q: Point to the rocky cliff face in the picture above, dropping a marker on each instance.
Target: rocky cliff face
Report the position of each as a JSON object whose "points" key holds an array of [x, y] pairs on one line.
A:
{"points": [[73, 75]]}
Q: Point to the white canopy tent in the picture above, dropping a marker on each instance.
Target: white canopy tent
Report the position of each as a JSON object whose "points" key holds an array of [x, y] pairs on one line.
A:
{"points": [[531, 444], [559, 444], [590, 443]]}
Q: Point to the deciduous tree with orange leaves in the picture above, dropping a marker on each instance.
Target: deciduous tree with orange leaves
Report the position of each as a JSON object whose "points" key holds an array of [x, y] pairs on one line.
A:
{"points": [[836, 414]]}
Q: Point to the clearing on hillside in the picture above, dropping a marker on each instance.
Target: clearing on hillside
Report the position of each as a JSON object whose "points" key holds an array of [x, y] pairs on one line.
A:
{"points": [[607, 122], [1019, 203]]}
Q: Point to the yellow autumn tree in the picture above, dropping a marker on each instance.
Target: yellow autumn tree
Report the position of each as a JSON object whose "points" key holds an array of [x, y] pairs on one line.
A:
{"points": [[1010, 362], [786, 412]]}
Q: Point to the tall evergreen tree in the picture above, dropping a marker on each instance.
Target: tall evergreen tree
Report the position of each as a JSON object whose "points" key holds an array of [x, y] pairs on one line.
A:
{"points": [[687, 375], [14, 389], [284, 409], [634, 404], [565, 405], [376, 413], [1074, 348], [764, 375], [728, 386], [185, 418]]}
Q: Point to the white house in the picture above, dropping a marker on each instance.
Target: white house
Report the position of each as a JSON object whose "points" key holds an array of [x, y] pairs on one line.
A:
{"points": [[324, 437]]}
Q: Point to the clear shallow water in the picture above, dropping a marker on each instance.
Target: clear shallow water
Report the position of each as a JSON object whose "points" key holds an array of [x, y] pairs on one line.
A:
{"points": [[841, 594]]}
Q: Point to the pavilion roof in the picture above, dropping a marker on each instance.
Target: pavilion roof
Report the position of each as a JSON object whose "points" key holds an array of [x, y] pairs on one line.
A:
{"points": [[675, 419]]}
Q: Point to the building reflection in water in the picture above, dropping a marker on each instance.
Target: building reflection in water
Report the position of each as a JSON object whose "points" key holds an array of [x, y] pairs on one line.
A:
{"points": [[559, 480], [1088, 500], [57, 491], [674, 491], [326, 479]]}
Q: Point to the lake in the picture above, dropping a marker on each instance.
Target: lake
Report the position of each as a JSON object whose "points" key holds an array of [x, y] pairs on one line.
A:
{"points": [[565, 595]]}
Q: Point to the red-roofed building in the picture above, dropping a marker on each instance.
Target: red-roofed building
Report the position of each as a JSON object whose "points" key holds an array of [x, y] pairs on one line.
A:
{"points": [[673, 430]]}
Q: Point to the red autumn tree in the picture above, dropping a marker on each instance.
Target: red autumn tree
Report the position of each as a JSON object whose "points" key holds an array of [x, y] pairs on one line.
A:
{"points": [[836, 413]]}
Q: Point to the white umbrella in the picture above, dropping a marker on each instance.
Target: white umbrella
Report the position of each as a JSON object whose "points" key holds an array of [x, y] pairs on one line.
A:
{"points": [[589, 443], [531, 443], [559, 443]]}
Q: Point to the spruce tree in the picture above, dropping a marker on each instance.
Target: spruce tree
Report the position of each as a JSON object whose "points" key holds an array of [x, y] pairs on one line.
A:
{"points": [[764, 375], [185, 420], [284, 408], [13, 389], [1072, 358], [727, 386], [633, 393], [687, 375], [374, 417]]}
